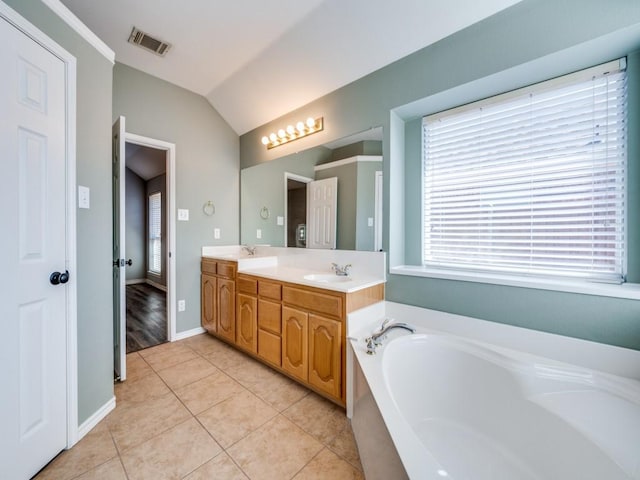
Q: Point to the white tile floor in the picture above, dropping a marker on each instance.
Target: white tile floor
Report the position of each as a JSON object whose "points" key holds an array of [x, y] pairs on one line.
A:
{"points": [[199, 409]]}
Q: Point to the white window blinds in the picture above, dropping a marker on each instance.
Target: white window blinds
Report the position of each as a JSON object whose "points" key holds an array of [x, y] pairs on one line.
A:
{"points": [[155, 233], [531, 182]]}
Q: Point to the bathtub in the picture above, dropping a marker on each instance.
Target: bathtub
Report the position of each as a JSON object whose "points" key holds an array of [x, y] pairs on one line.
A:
{"points": [[456, 407]]}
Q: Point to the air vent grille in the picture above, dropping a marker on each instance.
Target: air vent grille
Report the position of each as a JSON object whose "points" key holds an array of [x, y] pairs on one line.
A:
{"points": [[146, 41]]}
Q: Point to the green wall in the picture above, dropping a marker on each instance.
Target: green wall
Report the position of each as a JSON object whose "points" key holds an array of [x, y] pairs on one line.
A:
{"points": [[93, 169], [206, 169], [529, 42], [366, 206], [136, 225], [263, 186]]}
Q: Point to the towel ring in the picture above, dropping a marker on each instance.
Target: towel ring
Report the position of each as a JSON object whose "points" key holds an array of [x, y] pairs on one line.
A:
{"points": [[264, 213], [209, 208]]}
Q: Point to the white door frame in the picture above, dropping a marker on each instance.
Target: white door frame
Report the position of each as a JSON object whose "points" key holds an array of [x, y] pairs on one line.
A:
{"points": [[69, 61], [298, 178], [377, 216], [170, 149]]}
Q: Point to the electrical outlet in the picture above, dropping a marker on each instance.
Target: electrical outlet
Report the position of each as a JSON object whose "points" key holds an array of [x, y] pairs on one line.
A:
{"points": [[258, 233], [216, 233], [84, 197], [279, 220], [182, 306]]}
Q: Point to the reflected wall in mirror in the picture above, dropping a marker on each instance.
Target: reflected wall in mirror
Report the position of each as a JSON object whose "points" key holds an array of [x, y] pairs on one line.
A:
{"points": [[282, 184]]}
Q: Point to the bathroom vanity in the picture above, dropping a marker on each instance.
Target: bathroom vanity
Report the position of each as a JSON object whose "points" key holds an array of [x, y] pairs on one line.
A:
{"points": [[288, 310]]}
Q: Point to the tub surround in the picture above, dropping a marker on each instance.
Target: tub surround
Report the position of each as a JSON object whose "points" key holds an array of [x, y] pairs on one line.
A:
{"points": [[590, 391]]}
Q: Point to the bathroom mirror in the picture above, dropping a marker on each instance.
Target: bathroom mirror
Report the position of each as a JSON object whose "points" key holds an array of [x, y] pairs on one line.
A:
{"points": [[281, 186]]}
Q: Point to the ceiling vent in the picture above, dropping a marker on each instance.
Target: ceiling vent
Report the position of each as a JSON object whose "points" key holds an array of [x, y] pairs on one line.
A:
{"points": [[146, 41]]}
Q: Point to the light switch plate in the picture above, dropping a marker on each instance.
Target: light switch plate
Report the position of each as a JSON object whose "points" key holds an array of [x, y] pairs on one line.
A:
{"points": [[280, 220], [370, 221], [216, 233], [84, 197], [183, 214], [258, 233]]}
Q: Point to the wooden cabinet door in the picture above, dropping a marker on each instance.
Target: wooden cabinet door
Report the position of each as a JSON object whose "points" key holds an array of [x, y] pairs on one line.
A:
{"points": [[208, 303], [247, 323], [227, 309], [294, 342], [270, 347], [325, 352]]}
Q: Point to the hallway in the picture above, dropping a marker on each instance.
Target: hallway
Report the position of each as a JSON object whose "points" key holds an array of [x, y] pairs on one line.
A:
{"points": [[199, 409]]}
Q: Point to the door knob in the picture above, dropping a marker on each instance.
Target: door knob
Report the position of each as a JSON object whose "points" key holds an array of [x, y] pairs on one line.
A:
{"points": [[56, 278], [129, 262]]}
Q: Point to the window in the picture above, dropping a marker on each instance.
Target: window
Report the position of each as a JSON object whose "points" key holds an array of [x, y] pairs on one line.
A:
{"points": [[531, 182], [155, 233]]}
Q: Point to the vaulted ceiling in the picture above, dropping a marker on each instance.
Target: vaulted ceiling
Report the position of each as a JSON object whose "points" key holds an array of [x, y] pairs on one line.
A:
{"points": [[256, 60]]}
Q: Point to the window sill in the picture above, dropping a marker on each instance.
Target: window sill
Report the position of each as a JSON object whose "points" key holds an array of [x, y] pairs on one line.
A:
{"points": [[626, 290]]}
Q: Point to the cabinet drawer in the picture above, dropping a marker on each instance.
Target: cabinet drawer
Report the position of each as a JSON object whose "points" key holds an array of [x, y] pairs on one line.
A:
{"points": [[270, 347], [247, 285], [269, 317], [270, 290], [226, 269], [319, 302], [208, 266]]}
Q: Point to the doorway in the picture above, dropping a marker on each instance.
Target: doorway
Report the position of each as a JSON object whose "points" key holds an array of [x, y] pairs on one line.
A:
{"points": [[156, 262], [146, 245], [295, 208]]}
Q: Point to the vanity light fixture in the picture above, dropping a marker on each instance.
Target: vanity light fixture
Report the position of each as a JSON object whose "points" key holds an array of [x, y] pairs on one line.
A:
{"points": [[302, 129]]}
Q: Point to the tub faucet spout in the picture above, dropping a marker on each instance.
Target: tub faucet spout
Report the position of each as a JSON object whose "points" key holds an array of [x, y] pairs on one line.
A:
{"points": [[375, 340]]}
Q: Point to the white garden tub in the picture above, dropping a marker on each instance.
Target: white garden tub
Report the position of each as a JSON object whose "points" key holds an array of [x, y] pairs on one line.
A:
{"points": [[459, 408]]}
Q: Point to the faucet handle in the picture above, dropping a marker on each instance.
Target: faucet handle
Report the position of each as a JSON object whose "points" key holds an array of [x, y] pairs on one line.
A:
{"points": [[385, 322]]}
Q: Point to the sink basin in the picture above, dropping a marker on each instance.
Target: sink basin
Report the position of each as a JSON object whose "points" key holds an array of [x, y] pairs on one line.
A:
{"points": [[326, 278]]}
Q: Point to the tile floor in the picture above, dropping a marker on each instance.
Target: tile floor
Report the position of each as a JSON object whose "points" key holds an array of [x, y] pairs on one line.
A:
{"points": [[198, 409]]}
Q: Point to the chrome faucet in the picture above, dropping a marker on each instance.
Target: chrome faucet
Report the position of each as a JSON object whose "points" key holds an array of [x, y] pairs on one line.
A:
{"points": [[249, 250], [341, 270], [375, 340]]}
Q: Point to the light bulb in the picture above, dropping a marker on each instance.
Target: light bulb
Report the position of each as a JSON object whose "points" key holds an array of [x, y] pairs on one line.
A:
{"points": [[281, 133], [300, 127], [265, 140], [310, 122], [291, 130], [273, 137]]}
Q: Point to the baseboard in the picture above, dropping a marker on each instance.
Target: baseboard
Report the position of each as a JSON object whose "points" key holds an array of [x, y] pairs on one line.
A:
{"points": [[189, 333], [136, 281], [94, 419], [159, 286]]}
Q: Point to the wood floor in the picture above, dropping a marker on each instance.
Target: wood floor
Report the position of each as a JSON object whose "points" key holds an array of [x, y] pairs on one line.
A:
{"points": [[146, 317]]}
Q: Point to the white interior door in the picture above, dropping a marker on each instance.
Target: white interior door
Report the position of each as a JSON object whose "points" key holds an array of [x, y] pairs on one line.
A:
{"points": [[33, 309], [322, 207], [119, 274]]}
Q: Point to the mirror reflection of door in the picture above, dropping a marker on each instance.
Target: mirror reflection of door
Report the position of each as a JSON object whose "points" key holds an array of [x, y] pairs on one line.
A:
{"points": [[322, 206]]}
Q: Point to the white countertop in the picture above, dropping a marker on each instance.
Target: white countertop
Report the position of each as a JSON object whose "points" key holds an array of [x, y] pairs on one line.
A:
{"points": [[349, 284], [296, 266]]}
